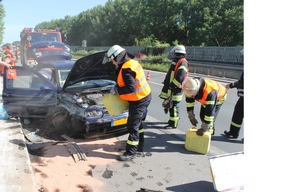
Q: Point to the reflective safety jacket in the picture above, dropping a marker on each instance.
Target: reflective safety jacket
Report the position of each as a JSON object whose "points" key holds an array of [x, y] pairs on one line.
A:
{"points": [[211, 93], [176, 75], [9, 54], [5, 54], [9, 58], [11, 73], [132, 83]]}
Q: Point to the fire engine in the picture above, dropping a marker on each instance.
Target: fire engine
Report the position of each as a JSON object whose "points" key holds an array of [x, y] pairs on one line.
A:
{"points": [[41, 43]]}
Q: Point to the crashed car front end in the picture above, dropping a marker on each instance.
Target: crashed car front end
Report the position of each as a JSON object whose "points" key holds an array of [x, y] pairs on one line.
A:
{"points": [[89, 114]]}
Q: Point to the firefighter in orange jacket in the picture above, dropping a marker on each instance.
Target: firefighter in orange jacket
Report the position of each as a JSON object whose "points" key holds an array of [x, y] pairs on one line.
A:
{"points": [[8, 58], [211, 94], [8, 52], [5, 64], [133, 87]]}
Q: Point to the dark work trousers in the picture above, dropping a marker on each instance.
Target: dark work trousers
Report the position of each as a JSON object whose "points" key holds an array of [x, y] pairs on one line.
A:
{"points": [[134, 124], [174, 114], [202, 114], [238, 116]]}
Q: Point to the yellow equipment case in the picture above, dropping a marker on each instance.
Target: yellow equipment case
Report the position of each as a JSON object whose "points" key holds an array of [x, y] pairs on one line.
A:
{"points": [[114, 104], [196, 143]]}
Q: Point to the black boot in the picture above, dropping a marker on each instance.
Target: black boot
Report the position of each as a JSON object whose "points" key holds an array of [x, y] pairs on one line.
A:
{"points": [[126, 157], [231, 134], [170, 125]]}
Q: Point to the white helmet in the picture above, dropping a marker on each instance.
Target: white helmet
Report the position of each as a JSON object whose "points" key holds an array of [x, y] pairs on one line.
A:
{"points": [[191, 87], [112, 53], [178, 49]]}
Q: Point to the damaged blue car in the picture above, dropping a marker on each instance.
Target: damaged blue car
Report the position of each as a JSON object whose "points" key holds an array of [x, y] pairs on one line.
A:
{"points": [[67, 93]]}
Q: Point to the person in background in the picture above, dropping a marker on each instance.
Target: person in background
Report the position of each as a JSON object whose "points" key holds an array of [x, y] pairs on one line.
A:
{"points": [[17, 53], [133, 87], [211, 94], [9, 50], [5, 64], [238, 115], [172, 91], [8, 54]]}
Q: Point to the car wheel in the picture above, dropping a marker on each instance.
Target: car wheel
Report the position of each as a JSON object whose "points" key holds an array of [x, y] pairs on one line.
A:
{"points": [[25, 122], [61, 120], [78, 127]]}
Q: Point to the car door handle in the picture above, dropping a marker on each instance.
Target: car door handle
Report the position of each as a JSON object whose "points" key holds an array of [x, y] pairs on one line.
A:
{"points": [[6, 95]]}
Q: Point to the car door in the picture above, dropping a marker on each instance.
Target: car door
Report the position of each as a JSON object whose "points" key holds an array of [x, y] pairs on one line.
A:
{"points": [[30, 94]]}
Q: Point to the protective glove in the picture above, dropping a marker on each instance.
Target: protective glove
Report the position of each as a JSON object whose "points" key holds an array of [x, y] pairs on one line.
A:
{"points": [[203, 129], [114, 90], [228, 86], [166, 104], [200, 132], [191, 118]]}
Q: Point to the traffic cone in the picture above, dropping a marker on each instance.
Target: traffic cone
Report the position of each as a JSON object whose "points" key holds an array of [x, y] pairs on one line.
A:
{"points": [[148, 76]]}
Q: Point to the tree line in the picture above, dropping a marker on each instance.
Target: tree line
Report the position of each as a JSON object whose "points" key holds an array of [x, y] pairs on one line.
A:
{"points": [[2, 15], [155, 22]]}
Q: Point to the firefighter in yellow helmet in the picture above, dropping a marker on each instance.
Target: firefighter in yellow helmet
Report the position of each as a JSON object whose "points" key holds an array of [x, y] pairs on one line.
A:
{"points": [[133, 87], [211, 94], [171, 91]]}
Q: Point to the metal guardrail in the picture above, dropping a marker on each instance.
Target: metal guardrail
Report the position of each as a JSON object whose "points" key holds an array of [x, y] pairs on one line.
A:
{"points": [[224, 55], [213, 55], [225, 62]]}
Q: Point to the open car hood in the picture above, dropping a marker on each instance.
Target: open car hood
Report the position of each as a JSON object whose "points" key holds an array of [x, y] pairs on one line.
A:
{"points": [[90, 68], [49, 50]]}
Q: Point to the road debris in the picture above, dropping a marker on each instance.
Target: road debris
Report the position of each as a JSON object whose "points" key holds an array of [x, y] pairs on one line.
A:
{"points": [[75, 151]]}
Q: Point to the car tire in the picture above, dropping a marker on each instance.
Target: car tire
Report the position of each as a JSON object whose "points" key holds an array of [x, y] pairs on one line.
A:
{"points": [[25, 122], [78, 127], [61, 120]]}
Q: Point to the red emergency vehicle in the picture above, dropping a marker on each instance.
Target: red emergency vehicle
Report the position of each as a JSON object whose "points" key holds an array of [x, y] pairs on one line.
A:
{"points": [[36, 43]]}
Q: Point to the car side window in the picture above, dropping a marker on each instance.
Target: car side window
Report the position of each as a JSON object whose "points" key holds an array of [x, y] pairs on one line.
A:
{"points": [[25, 80], [62, 75], [47, 73], [36, 82]]}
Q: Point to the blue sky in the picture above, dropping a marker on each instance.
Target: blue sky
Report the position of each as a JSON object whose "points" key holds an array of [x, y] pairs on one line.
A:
{"points": [[21, 13]]}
